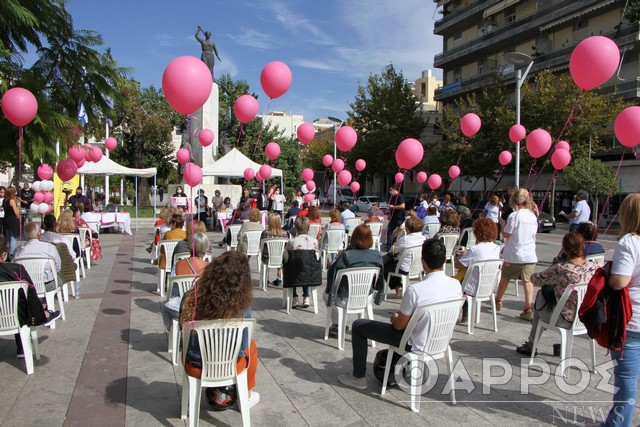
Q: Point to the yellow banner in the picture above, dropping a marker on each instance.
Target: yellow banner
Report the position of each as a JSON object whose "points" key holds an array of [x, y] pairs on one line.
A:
{"points": [[60, 197]]}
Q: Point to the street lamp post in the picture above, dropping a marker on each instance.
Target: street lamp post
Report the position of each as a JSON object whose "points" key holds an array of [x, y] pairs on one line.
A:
{"points": [[519, 60], [337, 123]]}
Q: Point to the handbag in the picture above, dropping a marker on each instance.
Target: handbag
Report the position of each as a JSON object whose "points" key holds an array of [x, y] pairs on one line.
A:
{"points": [[549, 295], [193, 358]]}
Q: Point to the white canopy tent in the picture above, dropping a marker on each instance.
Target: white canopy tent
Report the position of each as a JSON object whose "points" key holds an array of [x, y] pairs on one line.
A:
{"points": [[233, 164]]}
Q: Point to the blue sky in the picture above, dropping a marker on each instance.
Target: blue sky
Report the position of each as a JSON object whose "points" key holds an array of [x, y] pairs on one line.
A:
{"points": [[330, 45]]}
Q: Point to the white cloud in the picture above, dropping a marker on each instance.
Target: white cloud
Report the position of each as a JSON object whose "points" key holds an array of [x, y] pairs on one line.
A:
{"points": [[254, 39], [303, 28], [166, 40]]}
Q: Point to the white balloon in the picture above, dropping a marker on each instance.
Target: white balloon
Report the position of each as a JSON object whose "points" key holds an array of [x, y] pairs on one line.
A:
{"points": [[36, 186], [43, 208], [304, 189], [34, 208], [48, 185]]}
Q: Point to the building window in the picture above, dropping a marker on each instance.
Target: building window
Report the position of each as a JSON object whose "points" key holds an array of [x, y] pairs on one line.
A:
{"points": [[423, 90]]}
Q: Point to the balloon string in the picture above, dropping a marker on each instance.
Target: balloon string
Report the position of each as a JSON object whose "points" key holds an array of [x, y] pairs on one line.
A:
{"points": [[532, 171], [195, 128], [546, 194], [255, 147], [569, 121], [613, 183]]}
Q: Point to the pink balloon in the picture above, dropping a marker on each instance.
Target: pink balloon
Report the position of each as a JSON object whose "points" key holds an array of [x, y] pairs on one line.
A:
{"points": [[505, 157], [275, 79], [45, 172], [409, 153], [182, 155], [399, 177], [87, 152], [307, 174], [80, 163], [265, 171], [259, 177], [249, 174], [338, 166], [327, 160], [360, 165], [206, 137], [470, 124], [454, 172], [346, 138], [311, 185], [67, 169], [435, 181], [111, 143], [627, 126], [19, 106], [48, 197], [594, 61], [187, 84], [538, 143], [562, 145], [95, 154], [76, 152], [309, 197], [517, 133], [38, 196], [355, 187], [272, 150], [305, 133], [192, 174], [344, 177], [421, 177], [245, 108], [560, 159]]}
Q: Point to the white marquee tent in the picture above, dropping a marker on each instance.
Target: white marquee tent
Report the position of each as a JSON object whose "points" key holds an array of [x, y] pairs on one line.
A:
{"points": [[233, 164]]}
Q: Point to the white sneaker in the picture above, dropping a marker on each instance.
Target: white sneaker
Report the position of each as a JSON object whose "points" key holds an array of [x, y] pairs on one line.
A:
{"points": [[305, 302], [254, 399], [350, 381], [296, 302]]}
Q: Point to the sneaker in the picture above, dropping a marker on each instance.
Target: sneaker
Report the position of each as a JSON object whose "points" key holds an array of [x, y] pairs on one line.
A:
{"points": [[53, 316], [277, 282], [296, 302], [305, 302], [254, 399], [149, 249], [350, 381], [333, 331], [20, 356], [525, 350]]}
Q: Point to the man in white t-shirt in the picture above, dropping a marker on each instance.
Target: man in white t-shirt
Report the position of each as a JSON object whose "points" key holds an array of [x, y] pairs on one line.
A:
{"points": [[435, 288], [346, 213], [581, 211]]}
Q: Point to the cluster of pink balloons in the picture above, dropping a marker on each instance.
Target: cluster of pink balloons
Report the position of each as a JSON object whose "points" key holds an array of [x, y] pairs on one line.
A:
{"points": [[538, 143], [470, 124], [43, 195], [187, 84], [594, 61], [305, 133], [561, 155]]}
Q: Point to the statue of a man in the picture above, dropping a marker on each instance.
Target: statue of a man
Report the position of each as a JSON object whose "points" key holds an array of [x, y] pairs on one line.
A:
{"points": [[208, 49]]}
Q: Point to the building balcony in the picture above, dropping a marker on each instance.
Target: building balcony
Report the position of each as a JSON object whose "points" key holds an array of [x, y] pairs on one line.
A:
{"points": [[463, 17]]}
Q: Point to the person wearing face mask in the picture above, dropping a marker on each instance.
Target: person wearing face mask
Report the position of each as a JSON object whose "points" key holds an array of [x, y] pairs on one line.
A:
{"points": [[82, 199], [278, 201], [182, 203]]}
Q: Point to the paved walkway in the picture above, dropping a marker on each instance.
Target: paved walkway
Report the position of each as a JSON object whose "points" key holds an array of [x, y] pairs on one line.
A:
{"points": [[107, 365]]}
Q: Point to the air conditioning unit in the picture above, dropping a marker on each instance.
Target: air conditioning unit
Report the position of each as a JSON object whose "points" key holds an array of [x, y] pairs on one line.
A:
{"points": [[487, 29]]}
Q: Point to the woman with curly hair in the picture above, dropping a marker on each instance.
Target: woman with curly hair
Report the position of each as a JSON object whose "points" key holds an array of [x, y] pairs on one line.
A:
{"points": [[314, 215], [224, 291]]}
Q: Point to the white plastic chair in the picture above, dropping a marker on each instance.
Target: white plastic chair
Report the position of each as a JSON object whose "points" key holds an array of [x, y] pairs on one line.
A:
{"points": [[287, 299], [334, 243], [167, 246], [566, 335], [85, 233], [220, 343], [184, 283], [275, 249], [415, 270], [350, 224], [471, 238], [376, 233], [489, 273], [233, 230], [430, 230], [359, 301], [450, 241], [10, 323], [314, 230], [442, 320], [72, 237], [35, 269], [95, 226], [598, 258], [253, 244]]}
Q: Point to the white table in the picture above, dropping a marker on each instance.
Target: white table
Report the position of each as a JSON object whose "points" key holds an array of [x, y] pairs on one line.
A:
{"points": [[110, 219]]}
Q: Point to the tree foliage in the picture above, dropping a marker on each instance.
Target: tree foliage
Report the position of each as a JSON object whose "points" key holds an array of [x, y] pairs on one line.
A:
{"points": [[593, 176], [632, 11]]}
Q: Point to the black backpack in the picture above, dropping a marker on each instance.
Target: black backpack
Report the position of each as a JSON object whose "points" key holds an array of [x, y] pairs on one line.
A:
{"points": [[380, 363]]}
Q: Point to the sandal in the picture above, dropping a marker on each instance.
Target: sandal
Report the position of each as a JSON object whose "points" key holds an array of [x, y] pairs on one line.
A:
{"points": [[527, 314], [498, 304], [525, 349]]}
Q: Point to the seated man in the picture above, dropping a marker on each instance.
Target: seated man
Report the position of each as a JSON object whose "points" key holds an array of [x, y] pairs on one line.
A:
{"points": [[436, 287], [371, 216], [347, 213], [36, 249], [51, 236]]}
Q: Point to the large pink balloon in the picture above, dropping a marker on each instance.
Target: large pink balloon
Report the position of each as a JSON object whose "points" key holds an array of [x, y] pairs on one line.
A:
{"points": [[307, 174], [206, 137], [338, 166], [111, 143], [275, 79], [249, 174], [45, 172], [76, 152], [560, 159], [19, 106], [187, 83], [505, 157], [327, 160], [192, 174], [66, 169], [562, 145], [470, 124], [517, 133], [421, 177], [245, 108], [48, 197], [309, 197], [182, 155], [594, 61], [538, 143], [311, 185], [38, 196], [95, 154], [454, 172], [355, 187], [272, 150], [344, 177], [399, 177], [627, 126], [435, 181], [409, 153], [305, 133], [265, 171], [346, 138], [259, 177]]}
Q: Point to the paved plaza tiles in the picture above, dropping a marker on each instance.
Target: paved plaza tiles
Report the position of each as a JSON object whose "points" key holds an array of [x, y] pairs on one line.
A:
{"points": [[107, 364]]}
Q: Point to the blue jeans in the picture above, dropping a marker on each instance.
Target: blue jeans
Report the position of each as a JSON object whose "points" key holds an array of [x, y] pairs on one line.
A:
{"points": [[625, 376], [12, 243]]}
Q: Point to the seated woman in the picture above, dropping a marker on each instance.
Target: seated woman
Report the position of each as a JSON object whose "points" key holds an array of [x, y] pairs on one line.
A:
{"points": [[274, 230], [335, 223], [67, 225], [176, 233], [113, 206], [412, 237], [314, 215], [227, 281], [589, 233], [163, 223], [358, 254], [302, 241], [252, 225], [575, 270], [450, 223], [186, 244]]}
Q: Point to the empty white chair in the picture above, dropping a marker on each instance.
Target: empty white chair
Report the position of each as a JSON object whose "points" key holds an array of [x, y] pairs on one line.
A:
{"points": [[220, 343], [275, 249], [253, 244], [183, 284], [566, 335], [360, 281], [314, 230], [233, 230], [442, 320], [430, 230], [450, 241], [415, 270], [166, 246], [489, 273], [597, 258], [35, 269], [10, 323], [85, 233], [376, 233], [332, 242]]}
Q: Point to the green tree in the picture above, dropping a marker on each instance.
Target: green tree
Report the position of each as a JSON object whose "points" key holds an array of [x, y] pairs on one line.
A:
{"points": [[383, 114], [594, 177], [321, 144], [632, 11]]}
